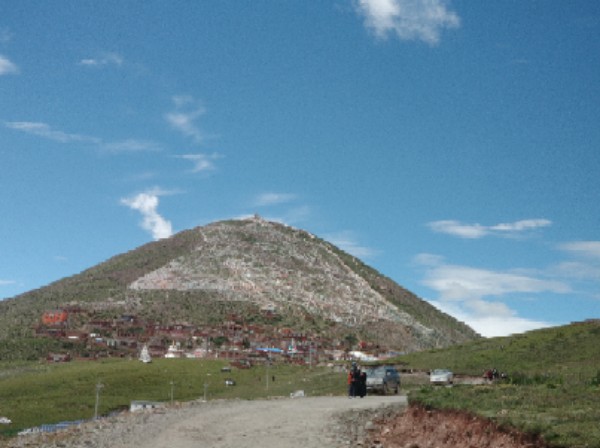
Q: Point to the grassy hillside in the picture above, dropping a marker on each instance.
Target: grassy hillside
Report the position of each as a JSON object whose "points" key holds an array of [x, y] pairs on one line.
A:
{"points": [[553, 385]]}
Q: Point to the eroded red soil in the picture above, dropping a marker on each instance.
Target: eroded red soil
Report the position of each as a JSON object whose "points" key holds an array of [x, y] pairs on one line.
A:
{"points": [[422, 428]]}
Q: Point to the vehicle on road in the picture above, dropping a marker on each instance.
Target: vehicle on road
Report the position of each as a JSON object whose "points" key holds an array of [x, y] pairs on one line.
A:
{"points": [[383, 379], [441, 376]]}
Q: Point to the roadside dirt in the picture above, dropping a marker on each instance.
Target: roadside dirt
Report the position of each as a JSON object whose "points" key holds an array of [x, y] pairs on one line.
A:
{"points": [[309, 422], [418, 427]]}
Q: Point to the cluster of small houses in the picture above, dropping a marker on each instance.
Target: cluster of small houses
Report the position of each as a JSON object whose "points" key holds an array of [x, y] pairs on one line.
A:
{"points": [[232, 339]]}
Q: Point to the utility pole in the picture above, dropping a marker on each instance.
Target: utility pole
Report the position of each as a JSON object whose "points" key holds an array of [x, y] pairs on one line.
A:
{"points": [[268, 365], [99, 386]]}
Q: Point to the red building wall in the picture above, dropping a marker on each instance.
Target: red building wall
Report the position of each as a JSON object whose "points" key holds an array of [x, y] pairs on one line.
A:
{"points": [[54, 317]]}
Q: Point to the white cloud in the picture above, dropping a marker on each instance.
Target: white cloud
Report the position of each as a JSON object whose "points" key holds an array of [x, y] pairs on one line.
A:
{"points": [[586, 265], [409, 19], [105, 59], [577, 270], [489, 319], [588, 249], [268, 199], [347, 241], [520, 226], [7, 67], [147, 205], [44, 130], [457, 229], [7, 282], [473, 295], [474, 231], [428, 259], [201, 162], [184, 117], [466, 283], [132, 145]]}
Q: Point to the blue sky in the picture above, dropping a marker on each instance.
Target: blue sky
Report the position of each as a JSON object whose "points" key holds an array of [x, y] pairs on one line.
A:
{"points": [[452, 145]]}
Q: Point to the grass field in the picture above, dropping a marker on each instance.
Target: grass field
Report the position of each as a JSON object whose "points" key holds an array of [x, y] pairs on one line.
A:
{"points": [[32, 394], [553, 385]]}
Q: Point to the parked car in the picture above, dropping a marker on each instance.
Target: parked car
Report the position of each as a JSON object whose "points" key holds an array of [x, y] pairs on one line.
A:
{"points": [[383, 379], [441, 376]]}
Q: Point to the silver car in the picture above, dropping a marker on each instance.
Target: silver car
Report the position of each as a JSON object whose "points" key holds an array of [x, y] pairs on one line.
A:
{"points": [[441, 376], [383, 379]]}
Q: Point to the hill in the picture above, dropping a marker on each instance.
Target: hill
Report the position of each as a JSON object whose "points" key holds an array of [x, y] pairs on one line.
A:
{"points": [[252, 275]]}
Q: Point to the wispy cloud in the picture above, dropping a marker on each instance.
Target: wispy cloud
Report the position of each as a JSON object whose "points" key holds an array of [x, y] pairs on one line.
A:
{"points": [[7, 282], [7, 67], [5, 35], [185, 116], [289, 211], [269, 199], [132, 145], [490, 319], [475, 295], [201, 162], [585, 265], [408, 19], [348, 242], [474, 231], [454, 282], [147, 204], [589, 249], [46, 131], [109, 58]]}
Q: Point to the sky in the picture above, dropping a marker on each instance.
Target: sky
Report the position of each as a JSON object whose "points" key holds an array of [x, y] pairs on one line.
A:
{"points": [[452, 145]]}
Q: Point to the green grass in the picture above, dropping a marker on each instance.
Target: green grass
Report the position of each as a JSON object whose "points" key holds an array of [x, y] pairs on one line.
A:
{"points": [[553, 388], [571, 352], [32, 394], [564, 416]]}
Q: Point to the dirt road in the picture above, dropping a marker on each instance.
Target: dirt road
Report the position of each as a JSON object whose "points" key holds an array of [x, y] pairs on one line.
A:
{"points": [[308, 422]]}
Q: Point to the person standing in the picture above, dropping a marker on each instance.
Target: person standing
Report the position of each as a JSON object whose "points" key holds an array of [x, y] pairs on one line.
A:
{"points": [[353, 380], [362, 384]]}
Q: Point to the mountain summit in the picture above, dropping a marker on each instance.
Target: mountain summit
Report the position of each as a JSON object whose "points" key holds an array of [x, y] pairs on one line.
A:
{"points": [[263, 271]]}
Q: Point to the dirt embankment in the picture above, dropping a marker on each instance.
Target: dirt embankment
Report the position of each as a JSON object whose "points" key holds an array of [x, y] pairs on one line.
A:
{"points": [[418, 427]]}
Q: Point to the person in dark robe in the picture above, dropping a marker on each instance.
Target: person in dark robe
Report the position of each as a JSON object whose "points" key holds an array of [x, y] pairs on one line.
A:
{"points": [[362, 384]]}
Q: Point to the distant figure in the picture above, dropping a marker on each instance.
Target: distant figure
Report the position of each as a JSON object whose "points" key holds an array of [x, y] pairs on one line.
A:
{"points": [[353, 380], [362, 384]]}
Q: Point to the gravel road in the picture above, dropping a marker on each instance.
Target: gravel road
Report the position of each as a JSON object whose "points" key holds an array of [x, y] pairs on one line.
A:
{"points": [[308, 422]]}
